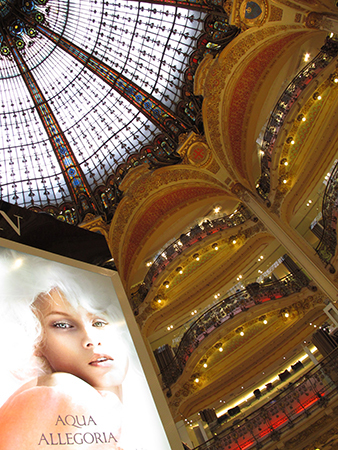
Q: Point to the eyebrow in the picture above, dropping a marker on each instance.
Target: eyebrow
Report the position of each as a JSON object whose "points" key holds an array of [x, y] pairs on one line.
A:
{"points": [[59, 313]]}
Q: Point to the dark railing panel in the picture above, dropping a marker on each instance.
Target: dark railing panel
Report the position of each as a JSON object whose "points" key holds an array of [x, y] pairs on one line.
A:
{"points": [[186, 240], [326, 248], [223, 311], [283, 106], [311, 391]]}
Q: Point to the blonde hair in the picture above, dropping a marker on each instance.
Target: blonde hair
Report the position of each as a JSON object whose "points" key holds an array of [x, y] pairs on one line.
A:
{"points": [[23, 279]]}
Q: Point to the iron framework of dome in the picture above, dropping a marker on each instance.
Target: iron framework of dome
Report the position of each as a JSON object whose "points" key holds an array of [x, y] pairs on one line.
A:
{"points": [[90, 89]]}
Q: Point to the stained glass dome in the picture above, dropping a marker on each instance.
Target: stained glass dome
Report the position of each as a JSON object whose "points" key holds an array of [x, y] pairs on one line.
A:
{"points": [[88, 89]]}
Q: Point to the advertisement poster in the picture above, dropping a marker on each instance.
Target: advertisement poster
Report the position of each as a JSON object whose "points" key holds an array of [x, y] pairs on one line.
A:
{"points": [[70, 374]]}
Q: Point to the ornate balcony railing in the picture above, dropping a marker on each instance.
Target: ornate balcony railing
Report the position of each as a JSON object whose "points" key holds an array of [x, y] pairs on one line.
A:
{"points": [[225, 310], [186, 240], [310, 392], [283, 106], [326, 248]]}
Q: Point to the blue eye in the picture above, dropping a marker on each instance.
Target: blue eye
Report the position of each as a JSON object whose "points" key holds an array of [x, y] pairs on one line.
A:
{"points": [[62, 325], [99, 323]]}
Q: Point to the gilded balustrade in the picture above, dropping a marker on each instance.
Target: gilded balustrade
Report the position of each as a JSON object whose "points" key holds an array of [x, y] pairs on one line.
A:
{"points": [[283, 106], [186, 240], [312, 391], [224, 310]]}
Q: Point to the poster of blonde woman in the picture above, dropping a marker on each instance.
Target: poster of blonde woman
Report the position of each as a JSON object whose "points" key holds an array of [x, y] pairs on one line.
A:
{"points": [[70, 375]]}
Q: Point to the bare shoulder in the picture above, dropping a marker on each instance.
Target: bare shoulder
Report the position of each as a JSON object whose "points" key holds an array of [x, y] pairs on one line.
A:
{"points": [[67, 384]]}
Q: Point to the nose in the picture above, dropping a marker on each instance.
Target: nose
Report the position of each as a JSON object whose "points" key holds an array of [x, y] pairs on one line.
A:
{"points": [[90, 339]]}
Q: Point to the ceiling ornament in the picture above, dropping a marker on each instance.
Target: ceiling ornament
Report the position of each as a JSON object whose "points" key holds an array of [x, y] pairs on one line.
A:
{"points": [[90, 91], [18, 20]]}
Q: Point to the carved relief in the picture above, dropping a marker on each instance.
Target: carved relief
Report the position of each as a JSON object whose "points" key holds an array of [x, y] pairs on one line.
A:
{"points": [[145, 185], [276, 14], [215, 84]]}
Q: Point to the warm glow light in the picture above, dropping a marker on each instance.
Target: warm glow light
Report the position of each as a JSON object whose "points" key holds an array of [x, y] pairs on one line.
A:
{"points": [[285, 181], [265, 322], [18, 263], [304, 119], [197, 380], [220, 349], [159, 301], [242, 333], [234, 241], [307, 57], [217, 209], [205, 365], [286, 314]]}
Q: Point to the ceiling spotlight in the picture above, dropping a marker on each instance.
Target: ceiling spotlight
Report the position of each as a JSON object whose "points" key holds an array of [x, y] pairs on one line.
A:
{"points": [[166, 284], [196, 256], [215, 246]]}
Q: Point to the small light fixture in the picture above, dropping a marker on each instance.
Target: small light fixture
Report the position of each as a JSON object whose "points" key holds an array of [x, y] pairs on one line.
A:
{"points": [[197, 380], [217, 209], [179, 270], [242, 333], [234, 241], [286, 315], [285, 181], [166, 284], [196, 256], [205, 365], [220, 349], [215, 246], [265, 321]]}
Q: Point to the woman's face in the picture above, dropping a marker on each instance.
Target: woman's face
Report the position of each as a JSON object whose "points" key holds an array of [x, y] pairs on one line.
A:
{"points": [[81, 343]]}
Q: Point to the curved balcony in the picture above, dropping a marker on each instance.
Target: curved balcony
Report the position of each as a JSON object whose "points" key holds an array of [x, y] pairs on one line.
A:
{"points": [[186, 240], [225, 310], [283, 106], [326, 248], [308, 394]]}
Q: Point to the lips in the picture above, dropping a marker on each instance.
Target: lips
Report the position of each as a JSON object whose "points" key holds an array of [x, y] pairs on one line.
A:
{"points": [[101, 360]]}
